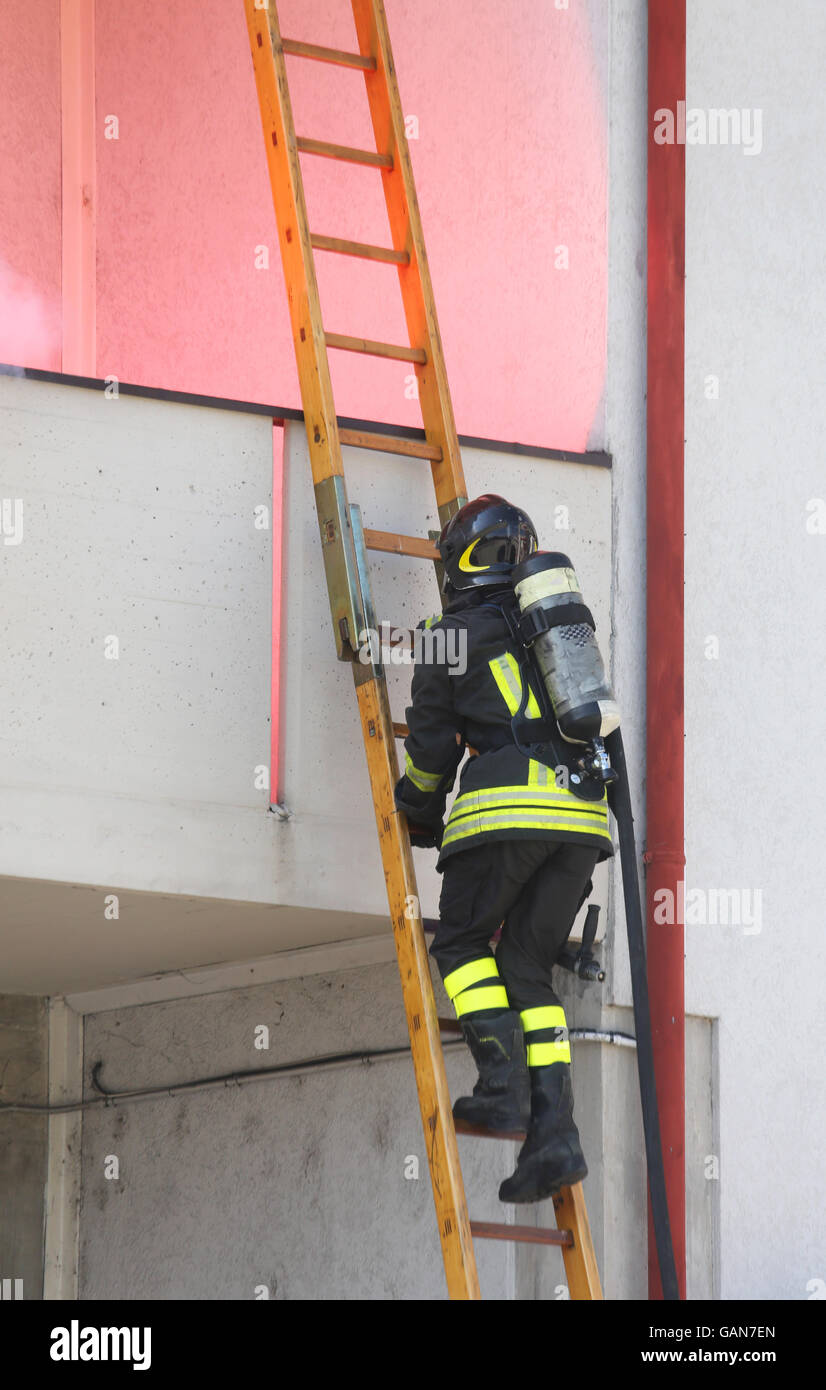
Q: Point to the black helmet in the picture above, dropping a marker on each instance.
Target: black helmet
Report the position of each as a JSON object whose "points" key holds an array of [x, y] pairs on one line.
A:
{"points": [[481, 544]]}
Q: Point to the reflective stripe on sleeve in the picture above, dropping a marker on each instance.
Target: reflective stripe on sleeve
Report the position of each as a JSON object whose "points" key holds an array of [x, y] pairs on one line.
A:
{"points": [[425, 781]]}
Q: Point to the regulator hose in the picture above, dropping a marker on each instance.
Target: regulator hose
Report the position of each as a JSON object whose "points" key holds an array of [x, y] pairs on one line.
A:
{"points": [[619, 798]]}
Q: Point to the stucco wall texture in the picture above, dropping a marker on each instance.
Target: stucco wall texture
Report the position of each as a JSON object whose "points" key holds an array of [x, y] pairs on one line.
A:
{"points": [[297, 1184], [508, 141], [755, 620]]}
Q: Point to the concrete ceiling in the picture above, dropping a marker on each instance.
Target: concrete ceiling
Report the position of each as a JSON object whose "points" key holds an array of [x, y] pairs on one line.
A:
{"points": [[57, 940]]}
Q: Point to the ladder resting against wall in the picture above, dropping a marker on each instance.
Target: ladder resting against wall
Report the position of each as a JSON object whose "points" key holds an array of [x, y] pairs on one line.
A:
{"points": [[344, 545]]}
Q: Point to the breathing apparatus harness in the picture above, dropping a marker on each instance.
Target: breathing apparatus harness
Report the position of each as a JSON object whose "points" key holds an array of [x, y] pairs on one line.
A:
{"points": [[534, 736], [554, 637]]}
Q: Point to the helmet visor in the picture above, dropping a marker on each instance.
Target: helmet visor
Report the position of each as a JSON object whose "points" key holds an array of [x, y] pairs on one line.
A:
{"points": [[503, 548]]}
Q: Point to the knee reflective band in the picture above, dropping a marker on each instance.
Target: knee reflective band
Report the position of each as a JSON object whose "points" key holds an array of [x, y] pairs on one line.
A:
{"points": [[538, 1023], [544, 1054], [464, 990], [473, 1001]]}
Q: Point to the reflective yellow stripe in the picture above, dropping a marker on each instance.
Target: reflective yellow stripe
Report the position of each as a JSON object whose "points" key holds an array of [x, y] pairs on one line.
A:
{"points": [[548, 1016], [540, 775], [538, 819], [552, 796], [464, 560], [535, 806], [501, 674], [505, 671], [526, 808], [482, 824], [425, 781], [472, 1000], [543, 1054], [470, 974]]}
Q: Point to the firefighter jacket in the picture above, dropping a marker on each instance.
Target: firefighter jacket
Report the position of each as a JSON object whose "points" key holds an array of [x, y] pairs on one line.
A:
{"points": [[503, 793]]}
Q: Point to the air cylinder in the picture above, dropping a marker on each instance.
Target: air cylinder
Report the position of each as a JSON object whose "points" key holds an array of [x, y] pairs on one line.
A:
{"points": [[560, 631]]}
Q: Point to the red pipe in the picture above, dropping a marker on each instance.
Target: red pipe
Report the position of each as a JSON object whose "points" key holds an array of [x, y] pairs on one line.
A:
{"points": [[665, 853], [279, 469]]}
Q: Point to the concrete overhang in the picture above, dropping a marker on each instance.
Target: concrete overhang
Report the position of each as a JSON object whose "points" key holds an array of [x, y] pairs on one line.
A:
{"points": [[58, 939]]}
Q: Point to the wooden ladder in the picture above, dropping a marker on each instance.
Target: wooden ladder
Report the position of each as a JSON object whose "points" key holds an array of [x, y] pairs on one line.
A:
{"points": [[344, 545]]}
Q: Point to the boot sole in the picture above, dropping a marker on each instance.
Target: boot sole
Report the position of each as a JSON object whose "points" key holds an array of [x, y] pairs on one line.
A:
{"points": [[497, 1122], [544, 1191]]}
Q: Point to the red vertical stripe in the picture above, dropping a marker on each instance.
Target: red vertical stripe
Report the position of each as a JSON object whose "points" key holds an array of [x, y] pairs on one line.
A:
{"points": [[77, 109], [665, 854]]}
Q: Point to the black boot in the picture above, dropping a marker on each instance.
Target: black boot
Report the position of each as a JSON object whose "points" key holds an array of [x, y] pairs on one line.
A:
{"points": [[551, 1156], [501, 1096]]}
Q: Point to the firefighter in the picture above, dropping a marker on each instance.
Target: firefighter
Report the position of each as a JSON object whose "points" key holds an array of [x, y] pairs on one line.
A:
{"points": [[518, 849]]}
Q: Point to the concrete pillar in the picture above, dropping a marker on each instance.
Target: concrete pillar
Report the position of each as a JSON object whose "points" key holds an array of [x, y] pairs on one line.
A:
{"points": [[24, 1078]]}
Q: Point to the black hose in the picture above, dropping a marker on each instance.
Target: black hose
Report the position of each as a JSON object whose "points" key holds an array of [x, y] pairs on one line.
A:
{"points": [[619, 796]]}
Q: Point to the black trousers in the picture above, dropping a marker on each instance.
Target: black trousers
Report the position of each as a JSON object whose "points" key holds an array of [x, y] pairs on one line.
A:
{"points": [[533, 889]]}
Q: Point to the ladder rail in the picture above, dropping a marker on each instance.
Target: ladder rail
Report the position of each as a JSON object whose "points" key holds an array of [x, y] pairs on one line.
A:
{"points": [[344, 581], [345, 544], [298, 261], [407, 235], [420, 1005]]}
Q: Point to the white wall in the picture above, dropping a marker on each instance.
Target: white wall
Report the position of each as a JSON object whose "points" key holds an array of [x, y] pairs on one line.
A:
{"points": [[754, 577], [138, 523], [756, 580]]}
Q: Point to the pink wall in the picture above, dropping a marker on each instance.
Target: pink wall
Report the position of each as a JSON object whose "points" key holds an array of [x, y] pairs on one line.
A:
{"points": [[30, 183], [510, 162]]}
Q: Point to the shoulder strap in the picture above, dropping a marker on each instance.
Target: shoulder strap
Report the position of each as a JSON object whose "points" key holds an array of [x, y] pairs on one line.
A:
{"points": [[530, 731]]}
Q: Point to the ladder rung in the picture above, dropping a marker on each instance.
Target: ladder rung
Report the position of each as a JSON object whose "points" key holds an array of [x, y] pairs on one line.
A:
{"points": [[376, 349], [323, 147], [329, 55], [524, 1235], [396, 544], [391, 444], [359, 248], [450, 1025], [515, 1135], [401, 731]]}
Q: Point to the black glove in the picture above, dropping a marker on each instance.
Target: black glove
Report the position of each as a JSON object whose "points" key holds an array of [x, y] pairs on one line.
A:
{"points": [[426, 836]]}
